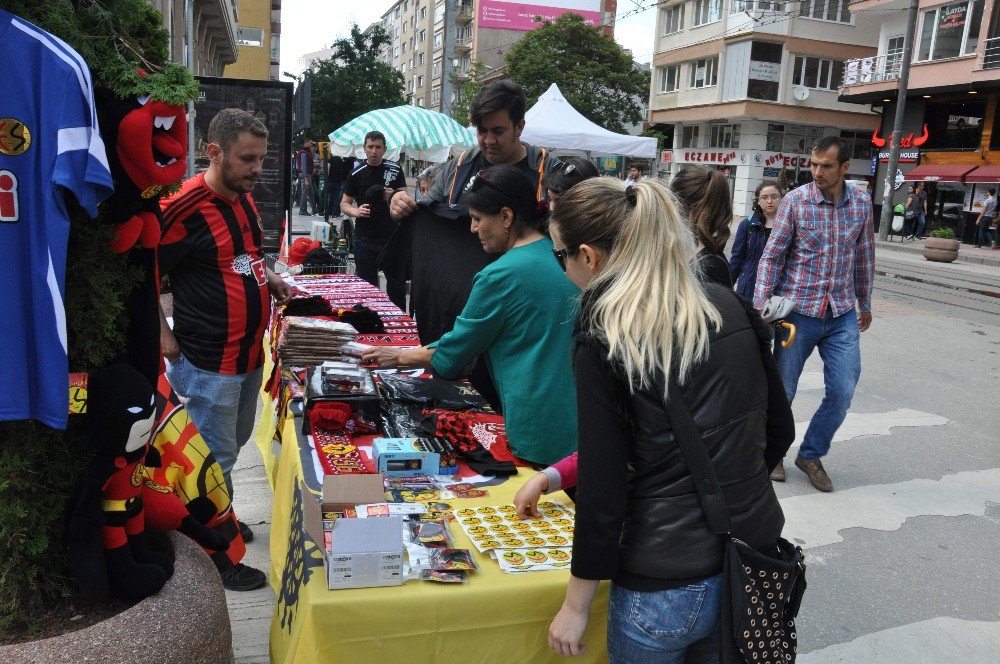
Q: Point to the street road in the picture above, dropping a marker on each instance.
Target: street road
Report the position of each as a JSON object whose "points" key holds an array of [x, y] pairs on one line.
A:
{"points": [[903, 555]]}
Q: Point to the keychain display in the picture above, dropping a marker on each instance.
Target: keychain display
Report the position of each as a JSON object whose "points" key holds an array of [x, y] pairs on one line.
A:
{"points": [[452, 560], [441, 576], [499, 527]]}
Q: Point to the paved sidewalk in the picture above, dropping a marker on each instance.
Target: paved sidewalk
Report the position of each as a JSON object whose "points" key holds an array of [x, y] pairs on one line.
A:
{"points": [[967, 253]]}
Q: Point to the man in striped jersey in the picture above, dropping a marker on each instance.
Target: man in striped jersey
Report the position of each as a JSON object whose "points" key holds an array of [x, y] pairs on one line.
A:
{"points": [[222, 297]]}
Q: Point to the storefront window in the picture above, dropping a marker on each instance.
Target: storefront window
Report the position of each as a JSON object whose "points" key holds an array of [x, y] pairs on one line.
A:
{"points": [[859, 144], [689, 136], [775, 135], [954, 125], [950, 31], [725, 136]]}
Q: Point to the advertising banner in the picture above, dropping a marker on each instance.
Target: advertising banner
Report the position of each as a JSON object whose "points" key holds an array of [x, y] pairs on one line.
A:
{"points": [[271, 103], [520, 15]]}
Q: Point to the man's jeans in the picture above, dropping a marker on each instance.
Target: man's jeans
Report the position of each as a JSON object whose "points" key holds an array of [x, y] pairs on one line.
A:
{"points": [[305, 195], [677, 626], [984, 234], [921, 224], [365, 255], [222, 406], [839, 343]]}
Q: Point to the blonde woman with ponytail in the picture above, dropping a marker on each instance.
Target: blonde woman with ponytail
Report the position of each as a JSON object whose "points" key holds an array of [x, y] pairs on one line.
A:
{"points": [[646, 316]]}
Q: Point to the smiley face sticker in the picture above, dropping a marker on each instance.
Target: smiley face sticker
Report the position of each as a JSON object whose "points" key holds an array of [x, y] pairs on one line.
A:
{"points": [[513, 557], [534, 541], [557, 540], [486, 510], [558, 555], [466, 512], [471, 521], [536, 555], [493, 519], [477, 530]]}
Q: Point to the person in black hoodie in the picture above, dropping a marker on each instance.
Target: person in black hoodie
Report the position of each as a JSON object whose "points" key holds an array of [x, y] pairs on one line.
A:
{"points": [[646, 316], [704, 194]]}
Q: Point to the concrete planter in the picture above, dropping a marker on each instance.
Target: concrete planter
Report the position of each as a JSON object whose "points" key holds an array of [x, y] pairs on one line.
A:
{"points": [[940, 250], [186, 622]]}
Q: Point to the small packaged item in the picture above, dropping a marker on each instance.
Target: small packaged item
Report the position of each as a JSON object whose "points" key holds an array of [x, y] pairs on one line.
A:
{"points": [[440, 576], [452, 560], [431, 533]]}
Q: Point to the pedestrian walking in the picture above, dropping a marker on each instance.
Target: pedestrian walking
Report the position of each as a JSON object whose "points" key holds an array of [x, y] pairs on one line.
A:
{"points": [[647, 322], [984, 236], [365, 198], [752, 235], [821, 255], [304, 165], [917, 204], [704, 194], [211, 251], [910, 214], [332, 187]]}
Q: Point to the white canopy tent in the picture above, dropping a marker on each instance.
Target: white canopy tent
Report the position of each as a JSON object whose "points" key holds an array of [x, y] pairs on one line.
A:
{"points": [[553, 123]]}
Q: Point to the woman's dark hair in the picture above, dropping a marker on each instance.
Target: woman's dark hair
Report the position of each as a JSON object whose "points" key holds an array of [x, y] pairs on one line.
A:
{"points": [[756, 194], [571, 171], [506, 186], [704, 194], [498, 96]]}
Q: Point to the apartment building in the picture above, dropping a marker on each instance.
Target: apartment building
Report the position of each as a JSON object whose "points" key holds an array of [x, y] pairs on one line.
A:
{"points": [[215, 23], [258, 41], [434, 43], [748, 86], [952, 102]]}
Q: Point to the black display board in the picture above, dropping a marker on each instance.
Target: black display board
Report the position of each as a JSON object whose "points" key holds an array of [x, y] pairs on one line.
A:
{"points": [[271, 102]]}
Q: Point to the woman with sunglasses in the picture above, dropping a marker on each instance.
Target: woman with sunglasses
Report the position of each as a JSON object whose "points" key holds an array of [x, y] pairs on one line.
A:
{"points": [[573, 170], [519, 315], [752, 235], [646, 317]]}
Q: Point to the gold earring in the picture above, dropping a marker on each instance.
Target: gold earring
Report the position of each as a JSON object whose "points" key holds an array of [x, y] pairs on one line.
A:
{"points": [[506, 230]]}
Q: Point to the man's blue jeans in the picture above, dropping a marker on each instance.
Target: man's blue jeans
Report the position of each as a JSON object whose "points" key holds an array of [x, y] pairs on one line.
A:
{"points": [[921, 224], [839, 343], [984, 234], [677, 626], [222, 406]]}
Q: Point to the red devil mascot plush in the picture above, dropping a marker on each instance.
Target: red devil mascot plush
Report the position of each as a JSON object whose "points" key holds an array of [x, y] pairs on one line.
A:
{"points": [[146, 141]]}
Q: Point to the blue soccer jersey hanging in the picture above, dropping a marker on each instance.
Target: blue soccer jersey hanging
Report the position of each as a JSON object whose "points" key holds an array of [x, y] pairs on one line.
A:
{"points": [[49, 143]]}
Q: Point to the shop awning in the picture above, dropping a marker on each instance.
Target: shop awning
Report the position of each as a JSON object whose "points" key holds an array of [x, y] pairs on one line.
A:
{"points": [[984, 174], [939, 173]]}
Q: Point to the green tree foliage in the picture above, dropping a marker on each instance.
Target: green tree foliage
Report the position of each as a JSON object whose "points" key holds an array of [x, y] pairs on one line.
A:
{"points": [[593, 72], [353, 81], [466, 92], [39, 466]]}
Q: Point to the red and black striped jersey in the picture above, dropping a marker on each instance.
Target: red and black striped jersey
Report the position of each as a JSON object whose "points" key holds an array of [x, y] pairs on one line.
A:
{"points": [[211, 250]]}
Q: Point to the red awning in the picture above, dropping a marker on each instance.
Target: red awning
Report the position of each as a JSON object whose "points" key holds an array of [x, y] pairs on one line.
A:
{"points": [[984, 174], [939, 173]]}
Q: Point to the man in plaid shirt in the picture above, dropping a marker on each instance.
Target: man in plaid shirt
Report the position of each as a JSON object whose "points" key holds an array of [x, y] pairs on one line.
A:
{"points": [[821, 255]]}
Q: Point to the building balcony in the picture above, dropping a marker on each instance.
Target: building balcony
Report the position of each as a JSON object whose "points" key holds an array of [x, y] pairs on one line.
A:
{"points": [[464, 14], [991, 53], [463, 44], [876, 69]]}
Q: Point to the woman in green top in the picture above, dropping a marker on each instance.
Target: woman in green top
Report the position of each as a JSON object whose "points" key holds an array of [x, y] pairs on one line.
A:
{"points": [[519, 315]]}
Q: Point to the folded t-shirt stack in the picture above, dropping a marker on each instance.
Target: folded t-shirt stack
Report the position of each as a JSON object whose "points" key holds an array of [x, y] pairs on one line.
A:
{"points": [[310, 341]]}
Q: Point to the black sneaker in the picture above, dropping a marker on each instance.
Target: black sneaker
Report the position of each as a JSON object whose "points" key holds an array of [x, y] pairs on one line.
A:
{"points": [[245, 533], [241, 577]]}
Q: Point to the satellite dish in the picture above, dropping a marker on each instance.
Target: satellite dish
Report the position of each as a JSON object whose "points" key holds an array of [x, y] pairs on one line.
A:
{"points": [[801, 92]]}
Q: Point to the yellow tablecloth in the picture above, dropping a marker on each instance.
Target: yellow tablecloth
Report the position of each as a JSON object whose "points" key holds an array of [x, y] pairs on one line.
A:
{"points": [[496, 617]]}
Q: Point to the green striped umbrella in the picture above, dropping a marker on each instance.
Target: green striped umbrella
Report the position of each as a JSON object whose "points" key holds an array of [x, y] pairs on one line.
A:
{"points": [[424, 134]]}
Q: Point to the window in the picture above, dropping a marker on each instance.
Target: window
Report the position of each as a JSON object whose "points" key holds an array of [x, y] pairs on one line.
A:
{"points": [[250, 36], [420, 59], [420, 102], [670, 78], [703, 73], [423, 36], [404, 28], [436, 96], [950, 31], [955, 125], [438, 38], [395, 14], [439, 12], [420, 81], [406, 5], [764, 76], [893, 56], [795, 139], [859, 144], [673, 19], [826, 10], [436, 70], [706, 11], [689, 137], [395, 51], [740, 6], [403, 48], [395, 33], [404, 68], [817, 73], [724, 136], [423, 13], [775, 135]]}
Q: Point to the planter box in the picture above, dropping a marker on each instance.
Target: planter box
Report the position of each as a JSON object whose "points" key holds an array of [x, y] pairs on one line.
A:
{"points": [[187, 621], [940, 250]]}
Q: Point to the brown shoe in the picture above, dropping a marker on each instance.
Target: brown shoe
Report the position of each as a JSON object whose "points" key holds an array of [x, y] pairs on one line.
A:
{"points": [[814, 469], [778, 474]]}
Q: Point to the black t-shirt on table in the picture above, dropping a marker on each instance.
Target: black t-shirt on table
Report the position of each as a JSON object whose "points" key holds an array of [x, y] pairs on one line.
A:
{"points": [[367, 184]]}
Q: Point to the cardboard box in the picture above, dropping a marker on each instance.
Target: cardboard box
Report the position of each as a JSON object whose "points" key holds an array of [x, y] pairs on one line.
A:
{"points": [[363, 553], [404, 456]]}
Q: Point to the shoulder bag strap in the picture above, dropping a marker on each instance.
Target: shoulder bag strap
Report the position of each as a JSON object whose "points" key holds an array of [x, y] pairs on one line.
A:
{"points": [[695, 455]]}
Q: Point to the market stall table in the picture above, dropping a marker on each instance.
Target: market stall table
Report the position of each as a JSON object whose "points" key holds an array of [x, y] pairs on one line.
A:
{"points": [[495, 617]]}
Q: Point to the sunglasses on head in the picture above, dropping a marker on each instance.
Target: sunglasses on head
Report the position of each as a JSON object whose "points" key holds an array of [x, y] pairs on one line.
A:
{"points": [[562, 254]]}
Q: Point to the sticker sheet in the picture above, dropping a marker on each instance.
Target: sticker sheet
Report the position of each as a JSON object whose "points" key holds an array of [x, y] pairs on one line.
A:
{"points": [[517, 561], [499, 527]]}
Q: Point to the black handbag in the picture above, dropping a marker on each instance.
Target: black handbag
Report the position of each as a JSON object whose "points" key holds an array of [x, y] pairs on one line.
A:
{"points": [[761, 590]]}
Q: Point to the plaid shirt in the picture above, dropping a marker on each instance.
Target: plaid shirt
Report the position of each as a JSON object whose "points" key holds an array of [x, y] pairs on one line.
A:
{"points": [[819, 254]]}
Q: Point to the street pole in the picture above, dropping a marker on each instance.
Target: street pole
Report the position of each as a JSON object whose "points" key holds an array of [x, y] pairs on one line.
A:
{"points": [[189, 56], [885, 220]]}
